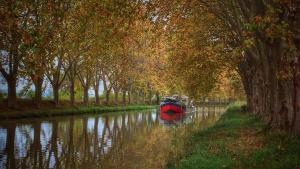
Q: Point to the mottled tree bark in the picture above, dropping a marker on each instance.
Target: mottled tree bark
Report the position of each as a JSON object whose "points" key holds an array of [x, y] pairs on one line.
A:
{"points": [[12, 93], [295, 124], [71, 76], [56, 94], [72, 92], [157, 98], [124, 97], [129, 97], [116, 93], [38, 84], [97, 98], [107, 90], [86, 95], [85, 80], [107, 93], [96, 83]]}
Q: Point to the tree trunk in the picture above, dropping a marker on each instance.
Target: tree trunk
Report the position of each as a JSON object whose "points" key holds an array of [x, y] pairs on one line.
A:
{"points": [[106, 91], [150, 97], [56, 95], [138, 97], [38, 83], [107, 97], [296, 115], [134, 97], [284, 111], [124, 97], [157, 98], [244, 71], [143, 97], [86, 95], [116, 97], [97, 99], [296, 102], [12, 93], [71, 75], [129, 97], [72, 92]]}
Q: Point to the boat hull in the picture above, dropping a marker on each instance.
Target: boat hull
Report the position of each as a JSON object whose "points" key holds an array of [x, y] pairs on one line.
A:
{"points": [[172, 108]]}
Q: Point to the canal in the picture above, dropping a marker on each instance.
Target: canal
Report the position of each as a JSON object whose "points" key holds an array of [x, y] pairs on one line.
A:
{"points": [[122, 140]]}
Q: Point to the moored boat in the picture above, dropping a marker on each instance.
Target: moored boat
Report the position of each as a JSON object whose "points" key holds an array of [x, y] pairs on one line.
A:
{"points": [[171, 106]]}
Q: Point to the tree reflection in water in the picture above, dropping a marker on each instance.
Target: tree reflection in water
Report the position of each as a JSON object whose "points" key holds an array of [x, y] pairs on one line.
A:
{"points": [[123, 140]]}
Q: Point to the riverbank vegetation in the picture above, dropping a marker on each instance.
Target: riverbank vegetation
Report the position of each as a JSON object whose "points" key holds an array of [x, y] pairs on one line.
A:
{"points": [[70, 110], [239, 140]]}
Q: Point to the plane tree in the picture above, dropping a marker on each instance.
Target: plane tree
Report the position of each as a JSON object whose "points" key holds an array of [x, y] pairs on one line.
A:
{"points": [[15, 41], [57, 66]]}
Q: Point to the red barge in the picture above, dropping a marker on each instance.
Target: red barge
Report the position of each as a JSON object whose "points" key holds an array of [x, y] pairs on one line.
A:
{"points": [[171, 109]]}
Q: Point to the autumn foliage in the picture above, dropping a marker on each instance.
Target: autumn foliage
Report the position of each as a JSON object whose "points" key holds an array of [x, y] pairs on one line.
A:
{"points": [[140, 49]]}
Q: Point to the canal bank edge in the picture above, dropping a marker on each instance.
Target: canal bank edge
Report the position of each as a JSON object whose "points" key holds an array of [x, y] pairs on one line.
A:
{"points": [[238, 140], [73, 111]]}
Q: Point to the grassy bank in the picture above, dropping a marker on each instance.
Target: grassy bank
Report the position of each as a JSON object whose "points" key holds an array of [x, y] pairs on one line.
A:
{"points": [[71, 111], [236, 141]]}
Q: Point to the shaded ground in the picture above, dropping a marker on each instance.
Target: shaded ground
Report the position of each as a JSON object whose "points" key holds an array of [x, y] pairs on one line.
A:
{"points": [[236, 141]]}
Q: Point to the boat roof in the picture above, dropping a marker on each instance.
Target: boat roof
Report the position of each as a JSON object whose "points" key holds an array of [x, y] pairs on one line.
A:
{"points": [[170, 99], [176, 97]]}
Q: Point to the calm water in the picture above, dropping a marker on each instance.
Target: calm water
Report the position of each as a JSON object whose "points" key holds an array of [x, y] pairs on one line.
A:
{"points": [[126, 140]]}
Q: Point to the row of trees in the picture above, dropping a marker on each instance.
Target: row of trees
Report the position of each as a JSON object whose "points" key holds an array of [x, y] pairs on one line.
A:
{"points": [[258, 39], [200, 61], [145, 48], [75, 44], [268, 34]]}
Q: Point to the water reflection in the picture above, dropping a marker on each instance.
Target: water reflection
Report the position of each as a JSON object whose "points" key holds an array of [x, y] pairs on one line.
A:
{"points": [[120, 140]]}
